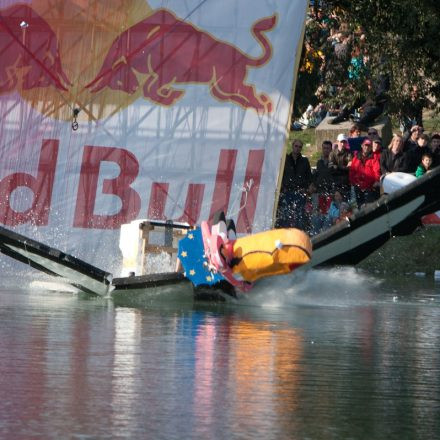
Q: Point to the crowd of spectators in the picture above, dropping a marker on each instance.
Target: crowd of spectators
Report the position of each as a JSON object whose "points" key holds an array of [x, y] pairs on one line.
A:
{"points": [[337, 77], [349, 172], [333, 55], [348, 175]]}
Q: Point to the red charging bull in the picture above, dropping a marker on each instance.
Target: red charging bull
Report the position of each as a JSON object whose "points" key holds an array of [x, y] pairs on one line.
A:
{"points": [[29, 53], [166, 51]]}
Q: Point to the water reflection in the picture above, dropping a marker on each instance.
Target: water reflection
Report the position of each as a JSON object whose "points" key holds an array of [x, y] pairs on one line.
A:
{"points": [[314, 363]]}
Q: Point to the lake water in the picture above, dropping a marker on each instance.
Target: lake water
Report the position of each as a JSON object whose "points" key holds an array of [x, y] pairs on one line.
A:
{"points": [[328, 354]]}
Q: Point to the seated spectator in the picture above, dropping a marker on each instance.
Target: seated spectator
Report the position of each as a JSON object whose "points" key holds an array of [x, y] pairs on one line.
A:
{"points": [[415, 154], [374, 106], [310, 118], [344, 212], [365, 174], [320, 112], [334, 209], [323, 177], [394, 159], [316, 210], [306, 120], [435, 149], [369, 109], [340, 161], [425, 165]]}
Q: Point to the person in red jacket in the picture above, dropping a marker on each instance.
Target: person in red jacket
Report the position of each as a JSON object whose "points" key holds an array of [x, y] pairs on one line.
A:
{"points": [[364, 174]]}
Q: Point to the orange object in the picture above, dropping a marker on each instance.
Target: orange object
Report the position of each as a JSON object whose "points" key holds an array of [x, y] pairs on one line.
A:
{"points": [[274, 252]]}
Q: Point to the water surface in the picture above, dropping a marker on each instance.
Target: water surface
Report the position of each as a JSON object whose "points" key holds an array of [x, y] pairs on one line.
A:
{"points": [[321, 355]]}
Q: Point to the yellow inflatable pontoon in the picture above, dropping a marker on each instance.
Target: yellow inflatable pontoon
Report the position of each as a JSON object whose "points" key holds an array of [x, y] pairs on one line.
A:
{"points": [[274, 252]]}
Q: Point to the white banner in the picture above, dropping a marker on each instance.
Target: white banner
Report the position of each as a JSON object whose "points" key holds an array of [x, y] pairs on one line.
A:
{"points": [[117, 110]]}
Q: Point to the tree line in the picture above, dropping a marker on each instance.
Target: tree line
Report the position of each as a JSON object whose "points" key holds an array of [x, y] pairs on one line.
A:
{"points": [[351, 46]]}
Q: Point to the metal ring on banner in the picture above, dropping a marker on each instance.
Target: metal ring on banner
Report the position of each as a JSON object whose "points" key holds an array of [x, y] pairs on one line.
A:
{"points": [[75, 124]]}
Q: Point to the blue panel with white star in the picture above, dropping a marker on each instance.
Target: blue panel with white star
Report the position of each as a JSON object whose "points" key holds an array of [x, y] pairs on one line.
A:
{"points": [[191, 253]]}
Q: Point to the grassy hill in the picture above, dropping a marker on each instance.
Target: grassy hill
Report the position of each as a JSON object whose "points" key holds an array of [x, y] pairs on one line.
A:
{"points": [[418, 252]]}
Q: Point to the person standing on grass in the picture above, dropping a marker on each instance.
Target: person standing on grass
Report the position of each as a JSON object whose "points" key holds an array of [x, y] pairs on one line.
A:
{"points": [[415, 155], [410, 138], [340, 161], [323, 176], [434, 147], [365, 174], [296, 179], [394, 159]]}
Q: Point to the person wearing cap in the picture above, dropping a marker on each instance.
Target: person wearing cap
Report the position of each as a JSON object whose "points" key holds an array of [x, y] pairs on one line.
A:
{"points": [[296, 179], [342, 137], [376, 147], [364, 174], [340, 161]]}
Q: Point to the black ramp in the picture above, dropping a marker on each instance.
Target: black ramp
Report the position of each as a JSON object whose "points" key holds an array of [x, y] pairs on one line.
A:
{"points": [[54, 262], [399, 213]]}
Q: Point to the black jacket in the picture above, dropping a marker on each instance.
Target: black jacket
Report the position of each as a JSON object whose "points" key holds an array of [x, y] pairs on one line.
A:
{"points": [[339, 166], [415, 157], [390, 162], [435, 158], [408, 143], [297, 174], [323, 176]]}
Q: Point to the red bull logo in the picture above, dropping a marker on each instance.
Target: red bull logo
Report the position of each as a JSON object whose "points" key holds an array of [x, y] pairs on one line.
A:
{"points": [[46, 62], [169, 52], [27, 60]]}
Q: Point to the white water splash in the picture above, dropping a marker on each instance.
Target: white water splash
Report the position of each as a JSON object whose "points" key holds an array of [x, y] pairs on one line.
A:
{"points": [[53, 286], [336, 287], [159, 263]]}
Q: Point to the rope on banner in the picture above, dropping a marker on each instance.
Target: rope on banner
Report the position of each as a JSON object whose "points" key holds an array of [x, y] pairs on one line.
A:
{"points": [[246, 188]]}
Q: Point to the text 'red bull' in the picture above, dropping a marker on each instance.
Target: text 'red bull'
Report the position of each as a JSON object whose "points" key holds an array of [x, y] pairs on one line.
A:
{"points": [[29, 54], [41, 186], [168, 51]]}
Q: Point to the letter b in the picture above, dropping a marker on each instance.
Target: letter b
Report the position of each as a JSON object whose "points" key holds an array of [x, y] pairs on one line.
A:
{"points": [[85, 216]]}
